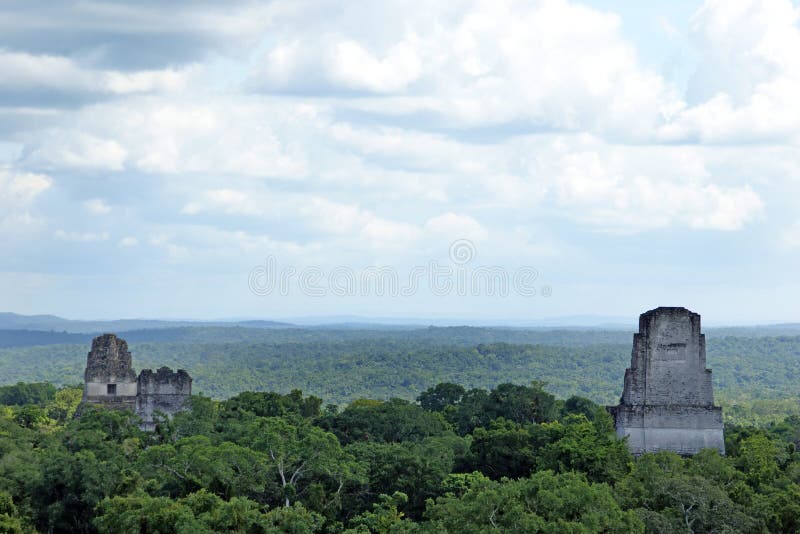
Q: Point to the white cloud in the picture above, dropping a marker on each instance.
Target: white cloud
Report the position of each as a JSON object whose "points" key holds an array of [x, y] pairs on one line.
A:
{"points": [[320, 215], [22, 187], [128, 242], [175, 252], [355, 67], [598, 183], [18, 222], [338, 62], [507, 113], [349, 219], [410, 149], [82, 237], [203, 242], [24, 71], [456, 226], [29, 71], [552, 63], [58, 149], [746, 84], [97, 206], [384, 233], [167, 80], [721, 208], [633, 189], [175, 136], [790, 236], [136, 37], [228, 201], [18, 191]]}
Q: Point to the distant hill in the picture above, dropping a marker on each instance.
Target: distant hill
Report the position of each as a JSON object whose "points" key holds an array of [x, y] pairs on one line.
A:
{"points": [[769, 330], [451, 335], [27, 331], [28, 338], [52, 323], [563, 322]]}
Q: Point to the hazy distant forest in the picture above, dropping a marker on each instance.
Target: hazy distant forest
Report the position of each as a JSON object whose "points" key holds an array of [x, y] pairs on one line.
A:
{"points": [[750, 365]]}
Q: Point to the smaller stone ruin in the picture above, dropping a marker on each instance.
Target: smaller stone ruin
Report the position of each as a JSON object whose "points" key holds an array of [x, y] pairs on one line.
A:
{"points": [[110, 381]]}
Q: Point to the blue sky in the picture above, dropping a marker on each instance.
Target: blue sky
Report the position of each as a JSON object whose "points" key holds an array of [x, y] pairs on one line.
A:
{"points": [[635, 154]]}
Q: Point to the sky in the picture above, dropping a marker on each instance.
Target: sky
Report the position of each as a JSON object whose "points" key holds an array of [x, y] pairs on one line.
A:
{"points": [[266, 159]]}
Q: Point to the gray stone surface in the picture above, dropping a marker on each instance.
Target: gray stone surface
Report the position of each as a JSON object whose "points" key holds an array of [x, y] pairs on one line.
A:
{"points": [[110, 381], [109, 360], [163, 391], [667, 401]]}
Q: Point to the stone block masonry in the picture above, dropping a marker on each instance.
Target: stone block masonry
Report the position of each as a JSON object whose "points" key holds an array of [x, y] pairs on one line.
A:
{"points": [[110, 381], [667, 401], [164, 391]]}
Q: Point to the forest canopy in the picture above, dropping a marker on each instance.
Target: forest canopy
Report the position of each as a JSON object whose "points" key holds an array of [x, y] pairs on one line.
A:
{"points": [[513, 458]]}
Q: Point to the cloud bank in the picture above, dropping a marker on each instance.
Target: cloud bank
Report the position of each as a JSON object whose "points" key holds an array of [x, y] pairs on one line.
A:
{"points": [[207, 137]]}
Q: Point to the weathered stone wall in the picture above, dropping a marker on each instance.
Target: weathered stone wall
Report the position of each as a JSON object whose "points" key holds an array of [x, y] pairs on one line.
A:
{"points": [[667, 401], [683, 441], [100, 389], [109, 361], [163, 391]]}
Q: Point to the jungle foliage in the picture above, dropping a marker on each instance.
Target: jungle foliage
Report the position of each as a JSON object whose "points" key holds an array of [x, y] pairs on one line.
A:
{"points": [[513, 458]]}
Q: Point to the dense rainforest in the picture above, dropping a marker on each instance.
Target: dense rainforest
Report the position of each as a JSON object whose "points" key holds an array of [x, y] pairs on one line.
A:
{"points": [[755, 370], [513, 458]]}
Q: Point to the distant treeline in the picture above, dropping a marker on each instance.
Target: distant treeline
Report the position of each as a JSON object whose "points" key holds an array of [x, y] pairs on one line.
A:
{"points": [[269, 332], [346, 365], [461, 335], [52, 323], [29, 338]]}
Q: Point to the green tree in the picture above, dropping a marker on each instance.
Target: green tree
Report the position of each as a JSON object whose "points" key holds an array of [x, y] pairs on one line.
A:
{"points": [[700, 506], [269, 404], [143, 513], [415, 469], [64, 404], [200, 417], [505, 449], [545, 502], [195, 463], [200, 513], [522, 404], [31, 416], [300, 454], [670, 498], [22, 393], [578, 445], [639, 488], [470, 413], [391, 421], [441, 396], [760, 458], [10, 521], [384, 518]]}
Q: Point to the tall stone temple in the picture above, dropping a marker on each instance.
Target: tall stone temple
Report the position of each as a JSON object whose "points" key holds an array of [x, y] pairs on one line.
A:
{"points": [[110, 381], [667, 402]]}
